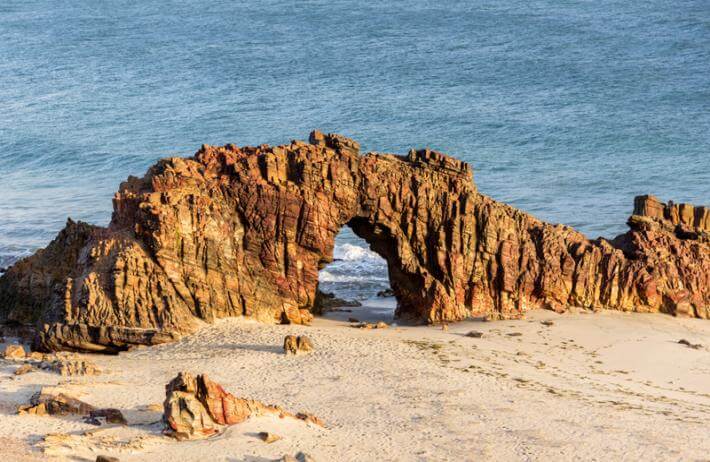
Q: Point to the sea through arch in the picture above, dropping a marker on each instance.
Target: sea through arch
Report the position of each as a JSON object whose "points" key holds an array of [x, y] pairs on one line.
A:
{"points": [[356, 282]]}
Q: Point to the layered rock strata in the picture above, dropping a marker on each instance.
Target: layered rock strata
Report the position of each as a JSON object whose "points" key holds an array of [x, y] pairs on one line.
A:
{"points": [[243, 232], [196, 407]]}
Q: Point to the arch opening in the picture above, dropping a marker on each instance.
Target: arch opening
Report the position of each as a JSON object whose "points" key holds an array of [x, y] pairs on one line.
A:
{"points": [[356, 282]]}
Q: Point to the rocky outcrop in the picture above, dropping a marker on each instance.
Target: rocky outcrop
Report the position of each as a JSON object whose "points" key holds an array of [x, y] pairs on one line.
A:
{"points": [[685, 220], [243, 232], [196, 407]]}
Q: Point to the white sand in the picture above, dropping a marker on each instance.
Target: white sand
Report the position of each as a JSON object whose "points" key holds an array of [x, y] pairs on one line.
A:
{"points": [[604, 386]]}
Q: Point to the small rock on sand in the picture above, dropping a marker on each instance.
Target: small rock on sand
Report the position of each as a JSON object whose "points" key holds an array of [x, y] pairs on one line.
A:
{"points": [[106, 459], [695, 346], [547, 323], [53, 401], [297, 344], [514, 334], [268, 437], [24, 369], [310, 418], [474, 334], [14, 352], [110, 415], [300, 457]]}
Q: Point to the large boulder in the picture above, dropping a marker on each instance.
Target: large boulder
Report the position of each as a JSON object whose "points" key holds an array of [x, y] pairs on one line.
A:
{"points": [[243, 232], [196, 407], [184, 415]]}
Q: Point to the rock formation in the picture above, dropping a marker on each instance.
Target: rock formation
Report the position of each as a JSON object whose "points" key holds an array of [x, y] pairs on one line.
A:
{"points": [[326, 301], [197, 407], [53, 401], [70, 367], [106, 415], [14, 352], [243, 232], [297, 344]]}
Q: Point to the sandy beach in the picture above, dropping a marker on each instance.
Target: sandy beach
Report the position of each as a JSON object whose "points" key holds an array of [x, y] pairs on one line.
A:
{"points": [[587, 386], [411, 231]]}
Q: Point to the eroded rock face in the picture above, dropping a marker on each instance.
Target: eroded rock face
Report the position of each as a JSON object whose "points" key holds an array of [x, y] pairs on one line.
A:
{"points": [[684, 219], [196, 407], [243, 232]]}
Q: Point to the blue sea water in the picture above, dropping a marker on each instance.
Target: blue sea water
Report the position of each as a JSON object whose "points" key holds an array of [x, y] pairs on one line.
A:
{"points": [[565, 109]]}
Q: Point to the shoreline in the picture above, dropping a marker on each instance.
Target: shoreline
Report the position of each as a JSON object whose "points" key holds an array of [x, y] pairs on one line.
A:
{"points": [[591, 385]]}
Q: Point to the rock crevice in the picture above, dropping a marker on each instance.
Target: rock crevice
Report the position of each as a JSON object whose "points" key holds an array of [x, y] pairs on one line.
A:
{"points": [[243, 231]]}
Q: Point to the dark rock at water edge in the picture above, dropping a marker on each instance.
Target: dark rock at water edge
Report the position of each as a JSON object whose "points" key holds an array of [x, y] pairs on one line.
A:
{"points": [[327, 301], [386, 293]]}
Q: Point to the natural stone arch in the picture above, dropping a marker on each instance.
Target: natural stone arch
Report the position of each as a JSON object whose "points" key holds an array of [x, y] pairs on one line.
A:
{"points": [[382, 241], [243, 232]]}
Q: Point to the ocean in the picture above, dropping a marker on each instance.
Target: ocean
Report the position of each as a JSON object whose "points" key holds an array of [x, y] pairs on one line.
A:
{"points": [[565, 109]]}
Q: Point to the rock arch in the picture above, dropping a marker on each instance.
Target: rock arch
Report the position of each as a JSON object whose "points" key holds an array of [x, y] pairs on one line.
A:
{"points": [[243, 232]]}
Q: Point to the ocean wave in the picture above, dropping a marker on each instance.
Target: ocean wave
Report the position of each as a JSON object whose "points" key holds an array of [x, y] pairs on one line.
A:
{"points": [[327, 276], [357, 273], [350, 252]]}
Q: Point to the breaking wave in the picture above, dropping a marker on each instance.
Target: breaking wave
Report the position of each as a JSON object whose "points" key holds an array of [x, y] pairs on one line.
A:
{"points": [[327, 276], [350, 252], [356, 272]]}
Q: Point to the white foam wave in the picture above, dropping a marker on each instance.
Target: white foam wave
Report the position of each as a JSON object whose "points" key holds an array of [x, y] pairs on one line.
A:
{"points": [[327, 276], [350, 252]]}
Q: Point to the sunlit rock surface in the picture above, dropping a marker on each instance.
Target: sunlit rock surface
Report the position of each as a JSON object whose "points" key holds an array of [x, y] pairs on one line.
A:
{"points": [[243, 232]]}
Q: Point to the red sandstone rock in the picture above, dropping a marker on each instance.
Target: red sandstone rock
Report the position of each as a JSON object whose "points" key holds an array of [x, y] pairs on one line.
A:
{"points": [[685, 218], [243, 232], [197, 407]]}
